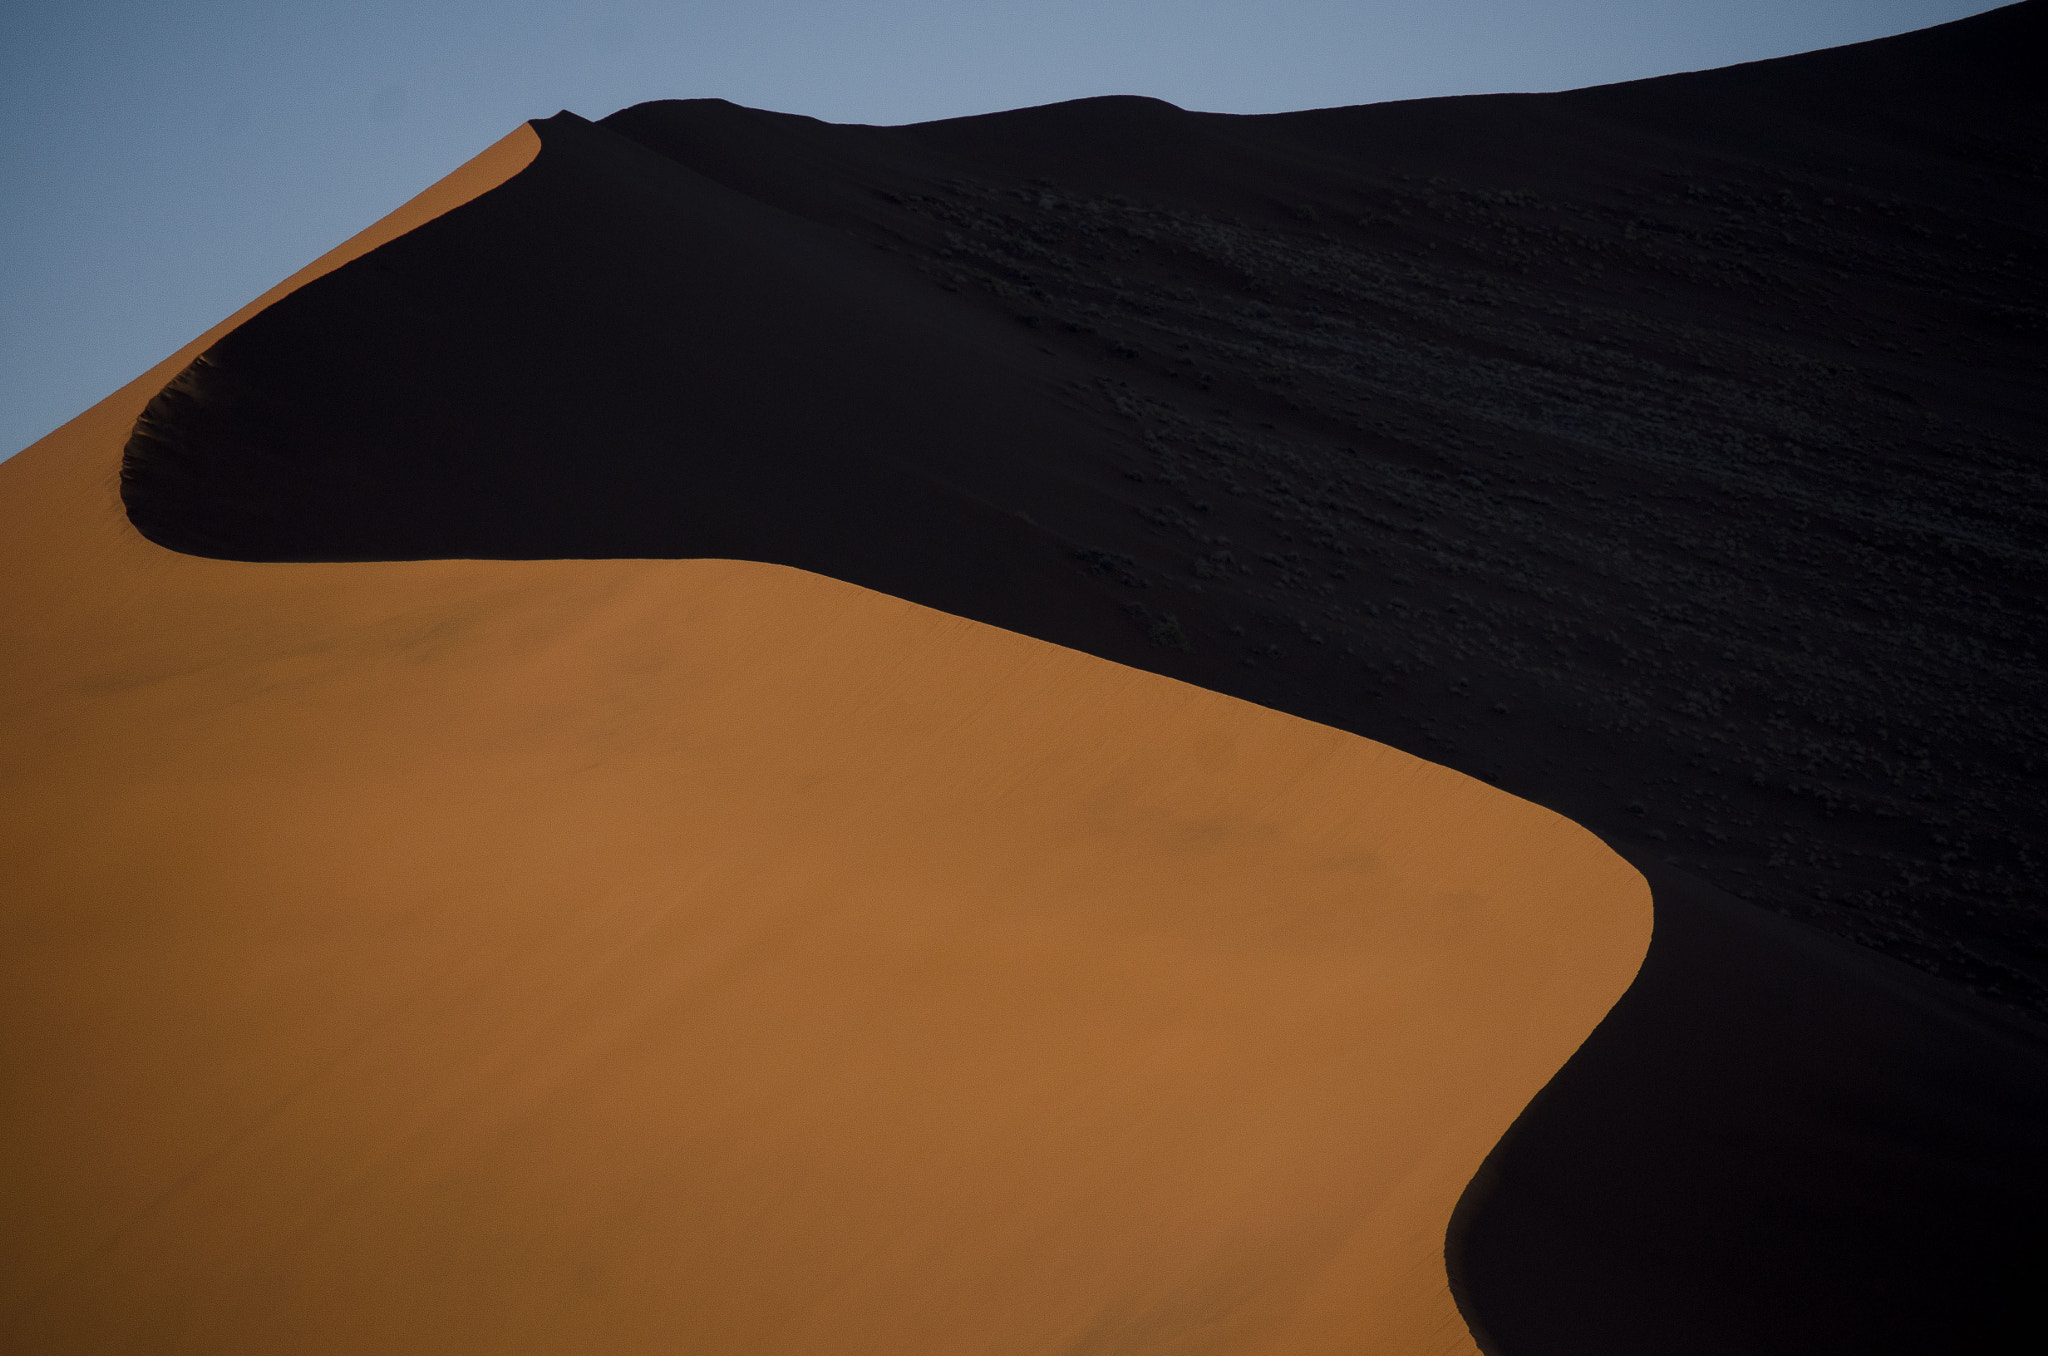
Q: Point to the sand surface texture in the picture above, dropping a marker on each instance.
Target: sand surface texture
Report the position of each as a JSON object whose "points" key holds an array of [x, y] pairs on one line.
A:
{"points": [[706, 955]]}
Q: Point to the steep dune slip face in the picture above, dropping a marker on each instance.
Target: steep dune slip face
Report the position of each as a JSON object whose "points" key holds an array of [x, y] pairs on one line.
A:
{"points": [[713, 956]]}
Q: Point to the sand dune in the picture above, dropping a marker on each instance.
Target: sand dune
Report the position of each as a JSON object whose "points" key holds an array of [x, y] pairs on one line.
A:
{"points": [[1662, 452], [549, 952], [713, 956]]}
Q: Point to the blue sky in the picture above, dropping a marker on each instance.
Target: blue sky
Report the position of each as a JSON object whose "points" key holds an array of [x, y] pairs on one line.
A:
{"points": [[161, 164]]}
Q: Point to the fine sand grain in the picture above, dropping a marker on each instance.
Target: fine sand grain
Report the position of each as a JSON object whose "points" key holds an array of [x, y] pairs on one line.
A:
{"points": [[711, 956]]}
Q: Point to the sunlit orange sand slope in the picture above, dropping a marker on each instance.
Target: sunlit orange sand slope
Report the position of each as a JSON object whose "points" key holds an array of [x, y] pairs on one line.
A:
{"points": [[709, 956]]}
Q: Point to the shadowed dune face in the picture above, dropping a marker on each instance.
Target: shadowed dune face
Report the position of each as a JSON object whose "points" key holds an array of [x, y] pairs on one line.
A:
{"points": [[1666, 453], [1776, 1142], [626, 955]]}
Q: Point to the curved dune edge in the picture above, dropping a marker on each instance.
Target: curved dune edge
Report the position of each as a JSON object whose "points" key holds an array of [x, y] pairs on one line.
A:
{"points": [[606, 955]]}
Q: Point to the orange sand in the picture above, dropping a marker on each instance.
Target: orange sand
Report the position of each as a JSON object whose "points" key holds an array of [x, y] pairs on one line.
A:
{"points": [[706, 956]]}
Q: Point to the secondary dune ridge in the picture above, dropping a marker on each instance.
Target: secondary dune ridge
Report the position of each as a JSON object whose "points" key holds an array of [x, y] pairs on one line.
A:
{"points": [[633, 955]]}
